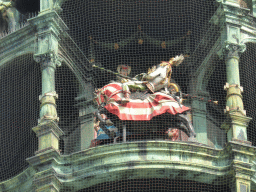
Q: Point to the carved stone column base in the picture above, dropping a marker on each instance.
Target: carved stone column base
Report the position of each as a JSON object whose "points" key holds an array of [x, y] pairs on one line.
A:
{"points": [[48, 134], [235, 126]]}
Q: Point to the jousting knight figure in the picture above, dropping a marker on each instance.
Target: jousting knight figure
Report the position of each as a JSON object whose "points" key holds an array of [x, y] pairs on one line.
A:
{"points": [[157, 78]]}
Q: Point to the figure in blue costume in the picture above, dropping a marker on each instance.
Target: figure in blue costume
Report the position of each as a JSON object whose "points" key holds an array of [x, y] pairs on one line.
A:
{"points": [[109, 126]]}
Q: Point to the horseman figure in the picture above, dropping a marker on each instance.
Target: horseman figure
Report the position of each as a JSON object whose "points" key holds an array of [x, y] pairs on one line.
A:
{"points": [[158, 78], [114, 99]]}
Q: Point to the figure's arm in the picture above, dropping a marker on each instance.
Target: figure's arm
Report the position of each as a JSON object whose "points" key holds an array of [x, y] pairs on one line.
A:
{"points": [[155, 74]]}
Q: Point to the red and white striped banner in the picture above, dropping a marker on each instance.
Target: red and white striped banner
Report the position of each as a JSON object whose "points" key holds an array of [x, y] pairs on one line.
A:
{"points": [[137, 109]]}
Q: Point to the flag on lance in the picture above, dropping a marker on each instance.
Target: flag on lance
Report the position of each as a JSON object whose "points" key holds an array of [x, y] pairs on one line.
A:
{"points": [[137, 109]]}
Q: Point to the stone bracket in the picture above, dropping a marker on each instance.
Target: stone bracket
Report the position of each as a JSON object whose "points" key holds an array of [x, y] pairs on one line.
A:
{"points": [[48, 134], [46, 177], [236, 125]]}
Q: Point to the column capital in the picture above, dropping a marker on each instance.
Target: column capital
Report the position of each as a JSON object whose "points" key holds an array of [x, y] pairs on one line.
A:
{"points": [[230, 50], [48, 59]]}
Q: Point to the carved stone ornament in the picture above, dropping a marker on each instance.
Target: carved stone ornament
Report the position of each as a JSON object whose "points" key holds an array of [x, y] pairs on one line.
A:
{"points": [[230, 50], [48, 59], [234, 50]]}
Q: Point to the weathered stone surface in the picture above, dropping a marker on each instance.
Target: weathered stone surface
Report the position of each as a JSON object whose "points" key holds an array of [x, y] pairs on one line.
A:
{"points": [[136, 160]]}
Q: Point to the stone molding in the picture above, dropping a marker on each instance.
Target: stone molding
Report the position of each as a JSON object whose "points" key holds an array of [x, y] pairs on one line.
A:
{"points": [[22, 181], [49, 94], [46, 127], [194, 158], [49, 20], [162, 159], [227, 86], [16, 44]]}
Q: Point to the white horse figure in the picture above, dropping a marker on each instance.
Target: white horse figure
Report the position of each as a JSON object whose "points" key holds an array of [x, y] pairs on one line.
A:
{"points": [[10, 16], [158, 78]]}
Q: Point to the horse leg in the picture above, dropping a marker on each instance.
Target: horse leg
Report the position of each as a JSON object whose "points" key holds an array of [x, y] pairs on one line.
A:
{"points": [[189, 127]]}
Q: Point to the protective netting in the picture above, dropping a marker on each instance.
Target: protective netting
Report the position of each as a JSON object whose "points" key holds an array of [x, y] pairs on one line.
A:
{"points": [[247, 75], [20, 88], [126, 37], [157, 184], [67, 89], [135, 35], [215, 113], [129, 37]]}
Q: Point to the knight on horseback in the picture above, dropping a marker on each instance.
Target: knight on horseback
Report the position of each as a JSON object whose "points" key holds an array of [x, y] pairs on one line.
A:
{"points": [[114, 99], [157, 78]]}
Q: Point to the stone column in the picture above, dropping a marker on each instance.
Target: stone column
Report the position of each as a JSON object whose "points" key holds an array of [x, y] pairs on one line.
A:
{"points": [[236, 122], [49, 26], [47, 131]]}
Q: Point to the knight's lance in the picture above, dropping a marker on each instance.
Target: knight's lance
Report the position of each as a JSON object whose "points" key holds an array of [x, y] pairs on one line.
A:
{"points": [[200, 98], [126, 77], [112, 72]]}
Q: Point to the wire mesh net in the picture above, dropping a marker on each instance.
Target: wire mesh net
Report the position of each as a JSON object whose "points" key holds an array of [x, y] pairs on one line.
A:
{"points": [[157, 184], [129, 37], [110, 51], [19, 113], [67, 89], [247, 75]]}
